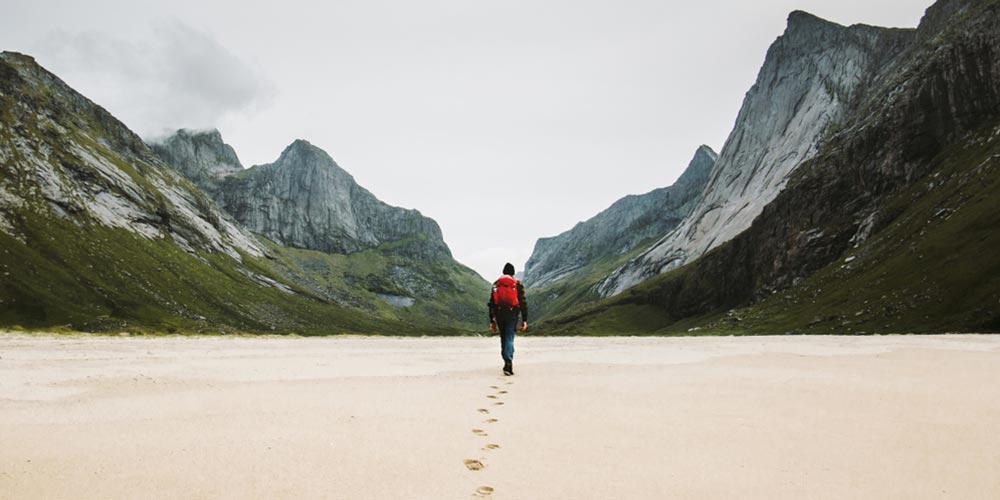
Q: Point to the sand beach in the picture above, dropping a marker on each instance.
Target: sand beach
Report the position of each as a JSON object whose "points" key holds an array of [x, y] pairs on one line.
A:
{"points": [[433, 418]]}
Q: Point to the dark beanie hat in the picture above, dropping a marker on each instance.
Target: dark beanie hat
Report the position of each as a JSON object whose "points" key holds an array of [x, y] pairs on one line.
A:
{"points": [[508, 269]]}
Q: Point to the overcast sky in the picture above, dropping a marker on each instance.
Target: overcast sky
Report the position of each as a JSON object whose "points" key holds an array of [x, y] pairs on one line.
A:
{"points": [[504, 121]]}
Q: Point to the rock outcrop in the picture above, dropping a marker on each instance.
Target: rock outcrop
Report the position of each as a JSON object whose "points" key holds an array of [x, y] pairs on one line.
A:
{"points": [[98, 233], [812, 77], [303, 199], [365, 253], [201, 156], [619, 229], [66, 156], [909, 171]]}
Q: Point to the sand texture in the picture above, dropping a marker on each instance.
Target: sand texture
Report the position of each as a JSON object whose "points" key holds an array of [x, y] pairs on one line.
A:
{"points": [[899, 417]]}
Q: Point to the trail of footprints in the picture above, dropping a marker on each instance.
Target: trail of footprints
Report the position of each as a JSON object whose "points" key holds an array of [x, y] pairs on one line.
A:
{"points": [[477, 464]]}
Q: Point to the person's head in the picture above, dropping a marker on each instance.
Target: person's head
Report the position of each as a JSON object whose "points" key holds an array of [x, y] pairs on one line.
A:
{"points": [[508, 269]]}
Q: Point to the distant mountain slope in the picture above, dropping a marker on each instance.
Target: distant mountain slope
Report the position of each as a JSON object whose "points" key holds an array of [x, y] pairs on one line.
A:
{"points": [[201, 157], [621, 227], [305, 200], [67, 157], [97, 233], [891, 226], [813, 76], [327, 229], [564, 271]]}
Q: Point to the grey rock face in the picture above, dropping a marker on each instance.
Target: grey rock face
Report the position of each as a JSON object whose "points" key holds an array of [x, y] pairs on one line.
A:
{"points": [[812, 76], [63, 155], [623, 226], [202, 157], [930, 126], [305, 200]]}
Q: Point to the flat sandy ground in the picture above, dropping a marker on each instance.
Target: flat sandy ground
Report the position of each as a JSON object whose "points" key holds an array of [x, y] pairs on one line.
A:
{"points": [[625, 418]]}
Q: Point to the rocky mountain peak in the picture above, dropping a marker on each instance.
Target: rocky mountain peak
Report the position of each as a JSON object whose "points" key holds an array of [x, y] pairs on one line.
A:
{"points": [[702, 162], [812, 76], [200, 155], [622, 227], [706, 151], [802, 22], [302, 154], [304, 148], [305, 200]]}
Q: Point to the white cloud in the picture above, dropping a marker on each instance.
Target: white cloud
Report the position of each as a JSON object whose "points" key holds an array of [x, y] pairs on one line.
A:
{"points": [[177, 77]]}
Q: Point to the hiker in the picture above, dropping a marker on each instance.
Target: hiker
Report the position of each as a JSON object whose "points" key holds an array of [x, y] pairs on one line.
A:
{"points": [[507, 302]]}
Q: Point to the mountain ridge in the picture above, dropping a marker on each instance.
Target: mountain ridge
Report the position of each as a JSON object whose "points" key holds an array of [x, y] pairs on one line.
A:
{"points": [[564, 270], [333, 237], [888, 228], [620, 227], [812, 75], [98, 233]]}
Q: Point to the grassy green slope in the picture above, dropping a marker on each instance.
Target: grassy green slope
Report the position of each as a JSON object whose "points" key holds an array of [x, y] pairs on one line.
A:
{"points": [[577, 288], [94, 278], [935, 268], [68, 271], [447, 294]]}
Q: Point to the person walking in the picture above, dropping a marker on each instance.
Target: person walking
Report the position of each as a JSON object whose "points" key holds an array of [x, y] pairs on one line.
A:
{"points": [[506, 303]]}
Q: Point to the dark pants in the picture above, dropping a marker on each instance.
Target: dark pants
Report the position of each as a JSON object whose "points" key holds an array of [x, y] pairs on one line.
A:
{"points": [[507, 326]]}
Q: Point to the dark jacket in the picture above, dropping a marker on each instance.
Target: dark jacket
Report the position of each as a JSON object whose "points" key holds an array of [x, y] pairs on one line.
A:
{"points": [[496, 311]]}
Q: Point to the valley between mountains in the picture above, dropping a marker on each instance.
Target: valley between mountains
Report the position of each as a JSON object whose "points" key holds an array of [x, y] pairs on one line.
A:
{"points": [[857, 193]]}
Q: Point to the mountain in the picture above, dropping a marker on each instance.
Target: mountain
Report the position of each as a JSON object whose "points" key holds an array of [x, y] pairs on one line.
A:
{"points": [[812, 77], [324, 230], [623, 226], [890, 225], [98, 233], [74, 161], [305, 200], [564, 270], [202, 157]]}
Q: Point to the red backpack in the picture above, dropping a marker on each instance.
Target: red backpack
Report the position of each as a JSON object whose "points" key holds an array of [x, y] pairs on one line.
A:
{"points": [[505, 292]]}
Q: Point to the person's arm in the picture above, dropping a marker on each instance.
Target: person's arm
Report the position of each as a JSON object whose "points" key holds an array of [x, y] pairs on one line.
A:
{"points": [[491, 309], [523, 304]]}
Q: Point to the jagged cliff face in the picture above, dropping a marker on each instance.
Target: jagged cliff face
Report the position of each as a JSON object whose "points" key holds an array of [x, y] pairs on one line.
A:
{"points": [[891, 226], [333, 237], [813, 75], [64, 156], [306, 200], [619, 229], [201, 156], [98, 233]]}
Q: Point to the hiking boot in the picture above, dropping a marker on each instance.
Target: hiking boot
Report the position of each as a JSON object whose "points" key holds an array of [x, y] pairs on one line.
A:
{"points": [[508, 368]]}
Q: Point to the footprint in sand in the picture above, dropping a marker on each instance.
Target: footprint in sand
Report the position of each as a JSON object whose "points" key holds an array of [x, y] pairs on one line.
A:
{"points": [[494, 387], [479, 432], [483, 410], [474, 464], [498, 403], [484, 491], [491, 421], [491, 396], [502, 392], [492, 446]]}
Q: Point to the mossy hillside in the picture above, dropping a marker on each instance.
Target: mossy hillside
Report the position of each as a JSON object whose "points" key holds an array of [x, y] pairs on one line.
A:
{"points": [[42, 114], [577, 288], [93, 278], [447, 295], [933, 269]]}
